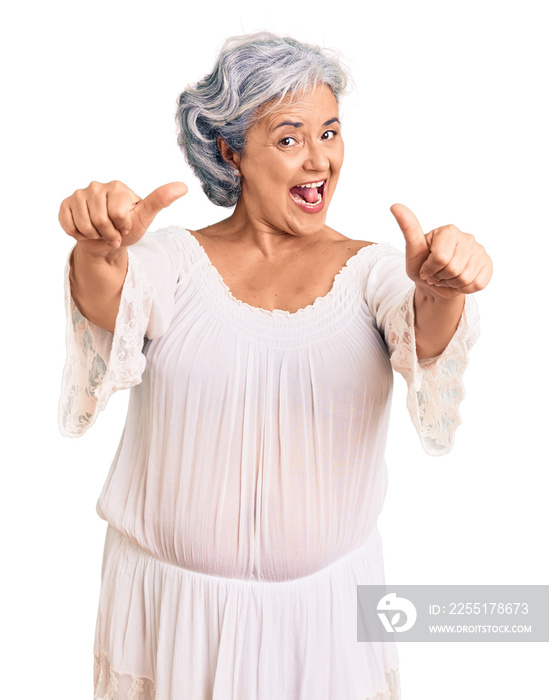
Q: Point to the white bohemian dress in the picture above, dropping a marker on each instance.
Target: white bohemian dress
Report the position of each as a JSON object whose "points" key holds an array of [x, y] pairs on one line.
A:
{"points": [[243, 499]]}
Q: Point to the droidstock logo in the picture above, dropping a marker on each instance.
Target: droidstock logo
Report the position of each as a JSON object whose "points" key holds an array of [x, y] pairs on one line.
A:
{"points": [[392, 606]]}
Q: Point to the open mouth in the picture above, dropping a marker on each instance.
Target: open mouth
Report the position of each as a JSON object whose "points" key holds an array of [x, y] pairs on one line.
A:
{"points": [[309, 194]]}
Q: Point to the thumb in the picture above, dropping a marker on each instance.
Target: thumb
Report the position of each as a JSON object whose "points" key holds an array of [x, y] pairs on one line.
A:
{"points": [[416, 243], [159, 199]]}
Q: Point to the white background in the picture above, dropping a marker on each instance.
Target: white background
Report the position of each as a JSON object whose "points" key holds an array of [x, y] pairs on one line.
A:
{"points": [[449, 116]]}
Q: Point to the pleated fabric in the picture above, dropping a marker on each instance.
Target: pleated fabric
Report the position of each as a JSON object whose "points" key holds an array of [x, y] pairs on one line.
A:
{"points": [[202, 636], [243, 499]]}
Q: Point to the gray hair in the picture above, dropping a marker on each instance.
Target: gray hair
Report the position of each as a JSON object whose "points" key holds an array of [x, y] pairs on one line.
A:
{"points": [[250, 71]]}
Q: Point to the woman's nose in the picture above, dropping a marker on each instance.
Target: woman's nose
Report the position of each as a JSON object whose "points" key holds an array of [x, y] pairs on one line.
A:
{"points": [[316, 158]]}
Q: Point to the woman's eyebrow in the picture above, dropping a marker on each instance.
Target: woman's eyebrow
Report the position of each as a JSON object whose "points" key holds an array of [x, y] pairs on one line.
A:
{"points": [[298, 125]]}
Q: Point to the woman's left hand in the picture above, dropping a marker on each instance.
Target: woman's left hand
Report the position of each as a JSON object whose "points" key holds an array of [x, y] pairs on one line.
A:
{"points": [[445, 262]]}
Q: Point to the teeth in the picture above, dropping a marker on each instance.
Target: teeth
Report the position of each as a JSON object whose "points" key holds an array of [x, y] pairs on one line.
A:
{"points": [[313, 184]]}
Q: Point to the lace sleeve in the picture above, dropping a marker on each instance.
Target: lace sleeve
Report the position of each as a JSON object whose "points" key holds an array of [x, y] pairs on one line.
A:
{"points": [[100, 362], [435, 386]]}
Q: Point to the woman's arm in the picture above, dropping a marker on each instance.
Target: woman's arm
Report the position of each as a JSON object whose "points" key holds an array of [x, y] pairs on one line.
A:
{"points": [[436, 321], [96, 284]]}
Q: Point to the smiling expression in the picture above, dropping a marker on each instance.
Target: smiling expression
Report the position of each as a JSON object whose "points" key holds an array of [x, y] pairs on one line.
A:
{"points": [[291, 163]]}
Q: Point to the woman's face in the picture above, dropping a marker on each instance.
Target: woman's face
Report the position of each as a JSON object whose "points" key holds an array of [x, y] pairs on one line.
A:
{"points": [[291, 163]]}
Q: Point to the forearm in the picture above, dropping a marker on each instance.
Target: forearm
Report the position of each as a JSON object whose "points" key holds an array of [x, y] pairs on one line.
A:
{"points": [[436, 321], [96, 284]]}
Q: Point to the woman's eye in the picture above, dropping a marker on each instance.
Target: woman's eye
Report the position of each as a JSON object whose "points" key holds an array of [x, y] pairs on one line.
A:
{"points": [[329, 135], [287, 141]]}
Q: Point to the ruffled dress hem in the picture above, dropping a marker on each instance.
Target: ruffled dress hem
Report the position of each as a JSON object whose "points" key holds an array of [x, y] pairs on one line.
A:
{"points": [[111, 685]]}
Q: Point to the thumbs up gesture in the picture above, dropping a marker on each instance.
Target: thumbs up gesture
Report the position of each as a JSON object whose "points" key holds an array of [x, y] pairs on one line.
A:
{"points": [[445, 262], [106, 216]]}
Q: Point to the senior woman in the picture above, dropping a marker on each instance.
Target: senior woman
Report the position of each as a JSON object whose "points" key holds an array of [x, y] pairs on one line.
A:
{"points": [[243, 499]]}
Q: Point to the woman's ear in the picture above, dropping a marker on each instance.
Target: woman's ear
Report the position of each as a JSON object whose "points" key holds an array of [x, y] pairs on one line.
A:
{"points": [[228, 154]]}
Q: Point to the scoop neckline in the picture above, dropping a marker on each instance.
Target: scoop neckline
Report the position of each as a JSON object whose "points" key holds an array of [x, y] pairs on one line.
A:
{"points": [[281, 313]]}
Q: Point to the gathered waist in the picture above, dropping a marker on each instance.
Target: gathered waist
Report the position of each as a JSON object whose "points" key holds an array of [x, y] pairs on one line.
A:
{"points": [[262, 639], [368, 554]]}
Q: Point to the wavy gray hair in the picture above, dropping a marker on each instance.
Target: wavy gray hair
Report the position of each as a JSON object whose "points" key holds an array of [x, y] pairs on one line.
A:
{"points": [[250, 71]]}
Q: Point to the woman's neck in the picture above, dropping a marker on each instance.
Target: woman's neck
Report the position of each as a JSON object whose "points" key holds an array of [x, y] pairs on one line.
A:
{"points": [[273, 243]]}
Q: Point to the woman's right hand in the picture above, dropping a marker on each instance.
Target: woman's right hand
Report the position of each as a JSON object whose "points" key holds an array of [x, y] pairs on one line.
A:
{"points": [[103, 217]]}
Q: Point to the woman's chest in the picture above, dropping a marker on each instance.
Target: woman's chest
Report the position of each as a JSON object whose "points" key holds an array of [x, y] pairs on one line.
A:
{"points": [[288, 283], [327, 356], [288, 287]]}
